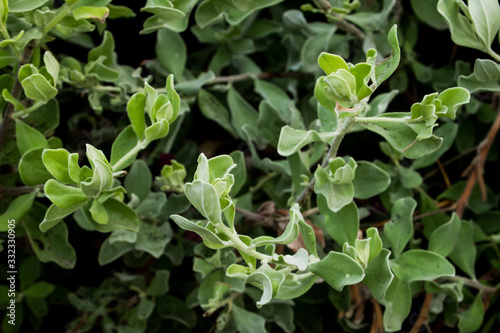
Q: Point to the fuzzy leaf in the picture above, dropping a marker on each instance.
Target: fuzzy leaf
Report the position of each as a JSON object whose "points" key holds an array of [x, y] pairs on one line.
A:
{"points": [[400, 229], [421, 265], [203, 196], [338, 270]]}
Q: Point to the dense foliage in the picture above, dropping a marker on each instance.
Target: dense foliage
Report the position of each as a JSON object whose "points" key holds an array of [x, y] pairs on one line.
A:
{"points": [[249, 165]]}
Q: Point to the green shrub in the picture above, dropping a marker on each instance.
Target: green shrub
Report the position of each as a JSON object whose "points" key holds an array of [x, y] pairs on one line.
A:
{"points": [[249, 165]]}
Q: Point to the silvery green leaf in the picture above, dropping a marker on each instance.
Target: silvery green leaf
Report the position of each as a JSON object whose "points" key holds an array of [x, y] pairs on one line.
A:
{"points": [[213, 240], [204, 198], [338, 270], [397, 302], [28, 137], [292, 140], [378, 274], [102, 178], [52, 66], [135, 110], [400, 229], [37, 87], [485, 15], [57, 163], [421, 265], [461, 29], [63, 196], [444, 238]]}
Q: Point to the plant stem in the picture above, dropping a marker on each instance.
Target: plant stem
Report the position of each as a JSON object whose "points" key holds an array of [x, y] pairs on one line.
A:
{"points": [[240, 246], [63, 11], [27, 111], [122, 161], [374, 120], [474, 284], [332, 152]]}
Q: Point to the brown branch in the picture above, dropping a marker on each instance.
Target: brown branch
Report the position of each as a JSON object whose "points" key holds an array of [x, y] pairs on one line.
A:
{"points": [[15, 191], [423, 317], [339, 21], [475, 170], [378, 321], [17, 90]]}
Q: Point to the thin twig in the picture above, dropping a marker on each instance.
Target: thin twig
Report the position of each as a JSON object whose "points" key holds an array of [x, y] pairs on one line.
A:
{"points": [[474, 284], [17, 90], [15, 191], [476, 169], [332, 152], [339, 21], [423, 317]]}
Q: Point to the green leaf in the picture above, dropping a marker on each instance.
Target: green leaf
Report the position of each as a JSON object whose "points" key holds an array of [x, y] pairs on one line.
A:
{"points": [[54, 215], [338, 270], [462, 32], [16, 209], [403, 138], [427, 13], [31, 168], [64, 196], [378, 275], [342, 225], [110, 252], [135, 110], [209, 237], [336, 196], [19, 6], [421, 265], [472, 319], [330, 63], [52, 66], [145, 308], [400, 229], [370, 180], [292, 140], [171, 51], [102, 178], [138, 180], [203, 196], [7, 96], [448, 132], [292, 288], [152, 239], [152, 205], [239, 172], [268, 280], [464, 253], [121, 215], [397, 302], [173, 97], [210, 11], [98, 212], [159, 283], [56, 161], [484, 78], [157, 131], [214, 110], [4, 11], [85, 12], [106, 49], [308, 236], [170, 307], [28, 137], [388, 66], [242, 114], [37, 87], [444, 239], [52, 245], [280, 101], [124, 143], [39, 290], [247, 322], [485, 16]]}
